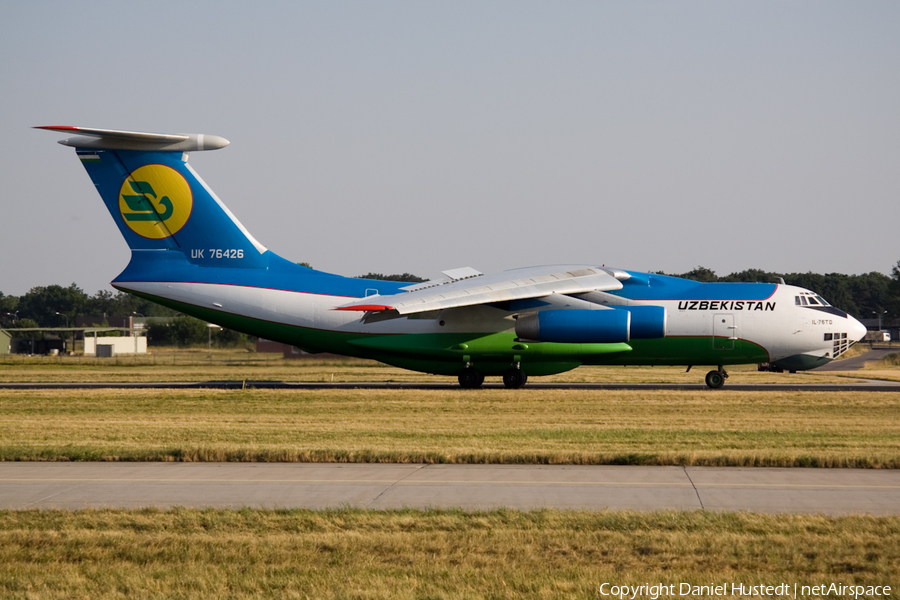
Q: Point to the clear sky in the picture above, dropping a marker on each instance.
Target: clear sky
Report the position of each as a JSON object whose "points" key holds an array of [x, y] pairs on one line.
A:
{"points": [[423, 136]]}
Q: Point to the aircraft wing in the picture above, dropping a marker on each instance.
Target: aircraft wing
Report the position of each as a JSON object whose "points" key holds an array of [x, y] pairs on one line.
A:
{"points": [[517, 284]]}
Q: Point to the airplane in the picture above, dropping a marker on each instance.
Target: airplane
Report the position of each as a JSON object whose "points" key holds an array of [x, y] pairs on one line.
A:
{"points": [[191, 254]]}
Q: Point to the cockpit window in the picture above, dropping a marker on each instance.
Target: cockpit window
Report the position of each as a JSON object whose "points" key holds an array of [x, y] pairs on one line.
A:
{"points": [[810, 299]]}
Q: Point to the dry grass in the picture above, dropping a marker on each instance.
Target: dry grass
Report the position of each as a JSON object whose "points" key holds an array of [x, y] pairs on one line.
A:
{"points": [[196, 365], [886, 369], [410, 554], [232, 365], [880, 373], [722, 428]]}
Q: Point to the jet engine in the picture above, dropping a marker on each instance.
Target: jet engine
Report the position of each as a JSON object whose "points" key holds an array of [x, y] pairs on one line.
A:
{"points": [[647, 322], [607, 326]]}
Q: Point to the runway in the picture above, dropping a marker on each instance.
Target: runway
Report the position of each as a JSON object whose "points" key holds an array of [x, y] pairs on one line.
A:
{"points": [[856, 386], [50, 485]]}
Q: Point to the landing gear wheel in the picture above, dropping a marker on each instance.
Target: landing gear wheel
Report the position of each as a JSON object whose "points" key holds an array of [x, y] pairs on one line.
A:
{"points": [[470, 378], [715, 379], [514, 378]]}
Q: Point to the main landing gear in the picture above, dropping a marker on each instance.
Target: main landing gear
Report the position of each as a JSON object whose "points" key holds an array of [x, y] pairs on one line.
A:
{"points": [[471, 378], [716, 379], [514, 378]]}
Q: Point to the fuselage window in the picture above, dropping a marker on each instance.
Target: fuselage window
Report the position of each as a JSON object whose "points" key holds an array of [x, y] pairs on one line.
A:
{"points": [[828, 337]]}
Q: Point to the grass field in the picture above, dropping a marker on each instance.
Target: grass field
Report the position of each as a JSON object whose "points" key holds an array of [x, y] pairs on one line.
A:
{"points": [[240, 365], [704, 427], [441, 554], [410, 554], [887, 369], [525, 426]]}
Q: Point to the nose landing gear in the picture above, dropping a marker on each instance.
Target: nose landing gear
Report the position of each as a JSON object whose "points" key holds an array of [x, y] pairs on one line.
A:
{"points": [[716, 379]]}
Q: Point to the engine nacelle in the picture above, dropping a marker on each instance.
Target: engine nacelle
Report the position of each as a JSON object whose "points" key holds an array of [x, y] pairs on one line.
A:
{"points": [[593, 326], [575, 326], [647, 322]]}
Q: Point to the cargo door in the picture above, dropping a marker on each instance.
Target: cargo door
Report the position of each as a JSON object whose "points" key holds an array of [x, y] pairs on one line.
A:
{"points": [[724, 331]]}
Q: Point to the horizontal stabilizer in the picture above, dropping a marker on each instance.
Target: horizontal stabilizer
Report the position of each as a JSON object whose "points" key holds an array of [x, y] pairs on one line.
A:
{"points": [[111, 139]]}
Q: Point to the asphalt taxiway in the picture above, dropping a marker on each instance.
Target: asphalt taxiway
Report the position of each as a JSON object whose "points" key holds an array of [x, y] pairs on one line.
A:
{"points": [[49, 485], [855, 363], [855, 386]]}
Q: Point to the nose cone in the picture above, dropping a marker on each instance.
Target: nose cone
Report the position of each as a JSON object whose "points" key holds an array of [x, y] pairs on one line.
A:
{"points": [[857, 330]]}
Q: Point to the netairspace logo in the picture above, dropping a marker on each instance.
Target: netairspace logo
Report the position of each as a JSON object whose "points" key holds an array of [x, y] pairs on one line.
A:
{"points": [[784, 590]]}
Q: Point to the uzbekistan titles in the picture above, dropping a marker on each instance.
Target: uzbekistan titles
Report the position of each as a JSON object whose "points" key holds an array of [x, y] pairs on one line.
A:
{"points": [[725, 305]]}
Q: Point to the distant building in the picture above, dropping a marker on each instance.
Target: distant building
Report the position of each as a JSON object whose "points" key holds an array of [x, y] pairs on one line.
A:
{"points": [[114, 346], [32, 341], [892, 326], [61, 340]]}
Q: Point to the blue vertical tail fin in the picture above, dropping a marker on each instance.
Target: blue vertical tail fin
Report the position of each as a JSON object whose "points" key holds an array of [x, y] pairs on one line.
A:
{"points": [[158, 201]]}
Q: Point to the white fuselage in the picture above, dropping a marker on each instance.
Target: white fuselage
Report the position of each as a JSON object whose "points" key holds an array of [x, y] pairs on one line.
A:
{"points": [[777, 324]]}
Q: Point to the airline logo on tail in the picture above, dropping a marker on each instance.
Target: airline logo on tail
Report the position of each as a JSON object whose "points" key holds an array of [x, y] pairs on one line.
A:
{"points": [[155, 201]]}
